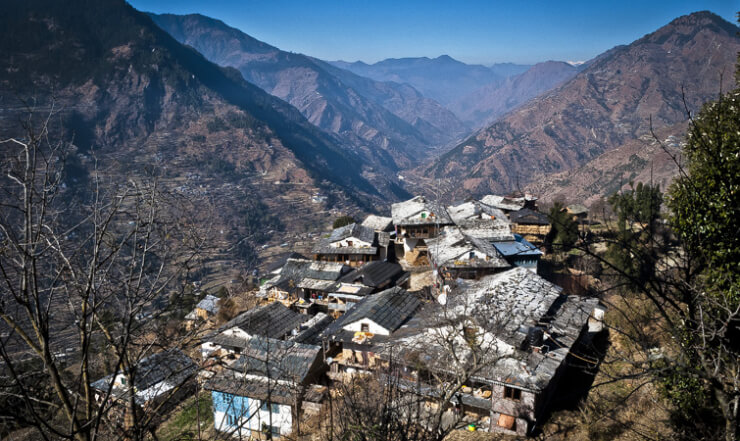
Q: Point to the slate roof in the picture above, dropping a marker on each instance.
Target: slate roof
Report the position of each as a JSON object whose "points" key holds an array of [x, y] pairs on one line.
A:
{"points": [[523, 296], [364, 234], [273, 320], [503, 306], [310, 330], [409, 212], [295, 270], [527, 216], [209, 303], [352, 230], [326, 249], [389, 309], [378, 223], [276, 359], [451, 249], [317, 284], [233, 383], [503, 202], [172, 367], [376, 274], [477, 219]]}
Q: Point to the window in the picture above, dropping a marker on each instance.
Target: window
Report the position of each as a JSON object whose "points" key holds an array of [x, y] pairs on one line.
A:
{"points": [[365, 327], [275, 431], [231, 420], [266, 406], [349, 243], [512, 394]]}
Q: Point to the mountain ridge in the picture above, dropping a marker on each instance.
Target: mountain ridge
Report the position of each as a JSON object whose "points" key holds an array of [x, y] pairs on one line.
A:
{"points": [[494, 100], [617, 97], [331, 101]]}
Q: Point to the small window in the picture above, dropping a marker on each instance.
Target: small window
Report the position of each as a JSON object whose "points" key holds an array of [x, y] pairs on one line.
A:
{"points": [[275, 431], [471, 255], [264, 405], [365, 327], [231, 420], [349, 243], [512, 394], [275, 408]]}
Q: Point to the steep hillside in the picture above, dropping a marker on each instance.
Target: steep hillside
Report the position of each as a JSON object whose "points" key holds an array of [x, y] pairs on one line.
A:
{"points": [[649, 158], [613, 100], [380, 121], [125, 89], [494, 100], [443, 79]]}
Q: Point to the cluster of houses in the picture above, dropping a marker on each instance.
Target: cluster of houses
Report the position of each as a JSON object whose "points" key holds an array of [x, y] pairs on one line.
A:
{"points": [[486, 327]]}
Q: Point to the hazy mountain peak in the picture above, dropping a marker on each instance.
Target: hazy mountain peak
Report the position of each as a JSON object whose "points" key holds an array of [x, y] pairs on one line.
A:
{"points": [[613, 99]]}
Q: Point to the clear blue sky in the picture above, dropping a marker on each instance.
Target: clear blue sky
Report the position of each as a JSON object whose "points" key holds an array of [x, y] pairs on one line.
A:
{"points": [[475, 31]]}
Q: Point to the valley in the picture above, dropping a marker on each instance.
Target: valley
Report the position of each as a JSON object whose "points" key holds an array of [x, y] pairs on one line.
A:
{"points": [[183, 200]]}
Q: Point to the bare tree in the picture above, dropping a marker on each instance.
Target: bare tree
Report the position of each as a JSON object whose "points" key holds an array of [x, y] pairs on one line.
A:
{"points": [[85, 277], [445, 353]]}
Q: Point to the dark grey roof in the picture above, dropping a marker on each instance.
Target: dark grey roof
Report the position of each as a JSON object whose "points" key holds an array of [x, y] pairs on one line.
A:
{"points": [[376, 274], [273, 320], [389, 309], [233, 383], [310, 330], [384, 239], [276, 359], [295, 270], [172, 366], [530, 217]]}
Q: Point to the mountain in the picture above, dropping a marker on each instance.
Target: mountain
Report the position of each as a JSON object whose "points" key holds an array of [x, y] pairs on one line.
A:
{"points": [[490, 102], [129, 95], [613, 100], [443, 79], [650, 158], [387, 124], [506, 70]]}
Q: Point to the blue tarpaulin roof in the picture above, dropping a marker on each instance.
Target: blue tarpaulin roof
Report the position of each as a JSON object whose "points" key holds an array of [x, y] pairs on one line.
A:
{"points": [[518, 247]]}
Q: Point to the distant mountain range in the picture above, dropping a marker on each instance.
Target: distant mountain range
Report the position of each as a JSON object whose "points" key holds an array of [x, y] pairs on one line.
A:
{"points": [[273, 122], [488, 103], [388, 124], [443, 79], [613, 100]]}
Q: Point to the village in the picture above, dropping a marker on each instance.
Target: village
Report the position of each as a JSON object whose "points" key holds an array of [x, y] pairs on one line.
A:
{"points": [[448, 301]]}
